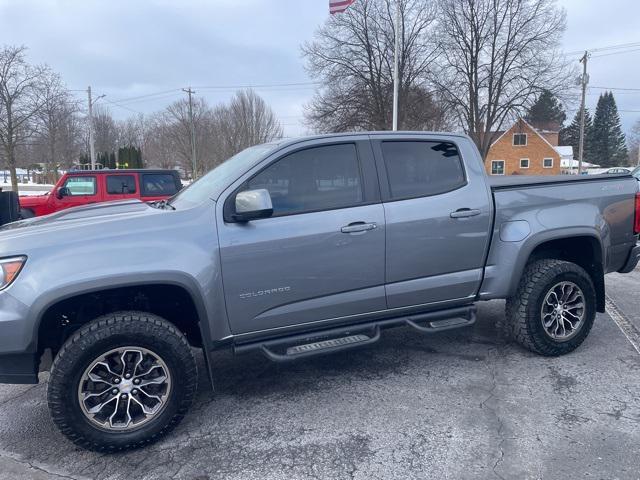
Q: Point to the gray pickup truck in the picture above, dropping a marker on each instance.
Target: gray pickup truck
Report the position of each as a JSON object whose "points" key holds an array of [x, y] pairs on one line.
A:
{"points": [[292, 249]]}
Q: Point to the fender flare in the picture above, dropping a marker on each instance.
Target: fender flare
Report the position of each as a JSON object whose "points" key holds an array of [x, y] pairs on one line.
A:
{"points": [[43, 303], [534, 241]]}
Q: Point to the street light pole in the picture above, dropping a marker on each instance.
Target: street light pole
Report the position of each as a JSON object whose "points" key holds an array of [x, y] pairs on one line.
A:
{"points": [[92, 149]]}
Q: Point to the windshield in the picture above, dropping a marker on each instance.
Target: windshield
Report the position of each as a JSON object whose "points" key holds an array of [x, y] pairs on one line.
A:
{"points": [[216, 180], [636, 172]]}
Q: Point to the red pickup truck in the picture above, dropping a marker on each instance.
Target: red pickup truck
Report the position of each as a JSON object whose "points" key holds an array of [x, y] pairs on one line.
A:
{"points": [[82, 187]]}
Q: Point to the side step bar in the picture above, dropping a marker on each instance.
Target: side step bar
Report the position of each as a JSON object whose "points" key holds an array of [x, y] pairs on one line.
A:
{"points": [[306, 345]]}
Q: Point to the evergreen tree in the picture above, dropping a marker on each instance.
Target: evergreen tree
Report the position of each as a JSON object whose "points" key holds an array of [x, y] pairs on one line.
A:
{"points": [[609, 146], [546, 113], [570, 135]]}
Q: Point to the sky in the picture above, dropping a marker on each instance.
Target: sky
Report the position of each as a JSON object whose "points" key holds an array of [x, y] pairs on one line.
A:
{"points": [[140, 53]]}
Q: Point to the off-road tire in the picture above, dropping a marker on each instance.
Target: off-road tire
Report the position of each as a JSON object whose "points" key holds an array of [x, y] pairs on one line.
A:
{"points": [[103, 334], [523, 310]]}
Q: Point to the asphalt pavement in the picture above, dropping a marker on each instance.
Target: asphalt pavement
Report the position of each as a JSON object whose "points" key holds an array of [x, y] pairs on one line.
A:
{"points": [[457, 405]]}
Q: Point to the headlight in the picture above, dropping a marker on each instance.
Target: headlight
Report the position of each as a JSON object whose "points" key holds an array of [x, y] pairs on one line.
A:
{"points": [[9, 270]]}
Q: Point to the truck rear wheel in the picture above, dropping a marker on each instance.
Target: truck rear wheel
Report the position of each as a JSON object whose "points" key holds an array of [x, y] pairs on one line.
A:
{"points": [[554, 307], [121, 382]]}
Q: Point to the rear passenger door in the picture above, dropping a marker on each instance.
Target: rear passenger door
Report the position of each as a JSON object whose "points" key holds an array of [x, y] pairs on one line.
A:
{"points": [[320, 257], [438, 215]]}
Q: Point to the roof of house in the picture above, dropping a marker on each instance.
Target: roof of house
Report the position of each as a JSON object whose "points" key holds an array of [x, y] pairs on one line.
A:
{"points": [[522, 120], [565, 151]]}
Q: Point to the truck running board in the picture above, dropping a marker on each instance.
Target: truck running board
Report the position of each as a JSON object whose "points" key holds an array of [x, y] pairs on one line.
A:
{"points": [[286, 349]]}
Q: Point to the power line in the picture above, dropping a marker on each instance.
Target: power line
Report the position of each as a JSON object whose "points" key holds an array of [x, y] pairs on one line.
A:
{"points": [[616, 88], [602, 49], [266, 85], [148, 95], [616, 53], [122, 106]]}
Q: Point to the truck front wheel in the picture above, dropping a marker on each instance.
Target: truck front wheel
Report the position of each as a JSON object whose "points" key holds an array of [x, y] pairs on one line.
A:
{"points": [[121, 382], [554, 307]]}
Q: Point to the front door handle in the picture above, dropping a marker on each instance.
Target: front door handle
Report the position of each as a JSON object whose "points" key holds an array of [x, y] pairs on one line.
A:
{"points": [[356, 227], [465, 213]]}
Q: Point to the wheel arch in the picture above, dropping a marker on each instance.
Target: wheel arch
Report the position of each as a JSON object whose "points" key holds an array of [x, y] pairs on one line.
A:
{"points": [[115, 294], [582, 247]]}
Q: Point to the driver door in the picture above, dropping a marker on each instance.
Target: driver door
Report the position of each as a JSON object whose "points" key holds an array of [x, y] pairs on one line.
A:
{"points": [[82, 189], [305, 263]]}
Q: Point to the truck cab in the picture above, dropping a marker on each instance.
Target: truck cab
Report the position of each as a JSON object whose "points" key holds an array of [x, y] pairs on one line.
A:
{"points": [[83, 187]]}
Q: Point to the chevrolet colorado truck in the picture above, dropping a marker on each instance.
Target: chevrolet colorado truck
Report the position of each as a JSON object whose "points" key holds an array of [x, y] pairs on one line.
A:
{"points": [[292, 249]]}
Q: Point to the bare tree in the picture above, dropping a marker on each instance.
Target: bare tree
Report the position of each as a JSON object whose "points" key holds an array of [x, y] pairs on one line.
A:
{"points": [[57, 126], [105, 130], [177, 115], [495, 57], [131, 132], [20, 102], [158, 145], [251, 121], [352, 55]]}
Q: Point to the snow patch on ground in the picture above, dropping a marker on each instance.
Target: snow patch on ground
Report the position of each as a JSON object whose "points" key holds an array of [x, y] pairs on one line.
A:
{"points": [[28, 188]]}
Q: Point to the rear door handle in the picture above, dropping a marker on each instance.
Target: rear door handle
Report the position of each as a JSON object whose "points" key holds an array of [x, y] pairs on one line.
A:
{"points": [[356, 227], [465, 213]]}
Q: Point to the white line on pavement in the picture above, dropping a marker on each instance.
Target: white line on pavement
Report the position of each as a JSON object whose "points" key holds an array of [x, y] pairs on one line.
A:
{"points": [[628, 328]]}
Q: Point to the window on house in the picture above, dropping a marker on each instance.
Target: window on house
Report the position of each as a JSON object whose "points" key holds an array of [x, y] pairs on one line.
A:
{"points": [[497, 167], [524, 163], [547, 163], [520, 139]]}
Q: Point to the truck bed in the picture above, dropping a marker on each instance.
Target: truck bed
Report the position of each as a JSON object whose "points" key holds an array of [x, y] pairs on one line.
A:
{"points": [[523, 181]]}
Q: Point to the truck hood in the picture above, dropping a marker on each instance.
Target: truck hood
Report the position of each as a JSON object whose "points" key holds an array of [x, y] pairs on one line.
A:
{"points": [[78, 218]]}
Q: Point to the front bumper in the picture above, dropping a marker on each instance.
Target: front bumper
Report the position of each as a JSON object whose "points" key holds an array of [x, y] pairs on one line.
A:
{"points": [[632, 260], [19, 360], [19, 368]]}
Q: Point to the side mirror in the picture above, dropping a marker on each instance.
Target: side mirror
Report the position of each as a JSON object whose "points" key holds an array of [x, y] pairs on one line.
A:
{"points": [[63, 192], [253, 204]]}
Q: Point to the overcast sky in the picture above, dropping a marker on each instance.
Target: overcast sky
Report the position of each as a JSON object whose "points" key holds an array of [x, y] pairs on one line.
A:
{"points": [[130, 48]]}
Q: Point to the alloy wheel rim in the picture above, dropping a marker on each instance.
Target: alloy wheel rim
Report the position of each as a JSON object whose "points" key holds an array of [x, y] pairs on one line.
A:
{"points": [[563, 311], [124, 388]]}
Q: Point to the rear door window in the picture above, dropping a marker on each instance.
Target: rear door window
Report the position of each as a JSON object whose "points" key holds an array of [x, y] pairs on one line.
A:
{"points": [[420, 168], [158, 184], [121, 184]]}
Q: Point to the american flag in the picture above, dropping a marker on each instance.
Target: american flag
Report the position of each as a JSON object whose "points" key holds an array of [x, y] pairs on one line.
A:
{"points": [[339, 6]]}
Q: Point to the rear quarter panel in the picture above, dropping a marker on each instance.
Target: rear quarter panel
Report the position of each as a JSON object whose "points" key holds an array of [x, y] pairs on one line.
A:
{"points": [[529, 216]]}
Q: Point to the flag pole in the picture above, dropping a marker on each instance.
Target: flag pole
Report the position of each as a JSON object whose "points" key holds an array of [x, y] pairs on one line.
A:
{"points": [[395, 68]]}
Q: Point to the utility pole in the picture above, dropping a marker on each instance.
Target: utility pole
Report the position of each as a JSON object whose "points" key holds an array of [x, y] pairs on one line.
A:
{"points": [[193, 131], [395, 68], [584, 80], [92, 149]]}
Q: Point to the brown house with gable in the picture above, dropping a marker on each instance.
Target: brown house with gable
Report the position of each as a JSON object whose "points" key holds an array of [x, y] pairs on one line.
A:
{"points": [[523, 150]]}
